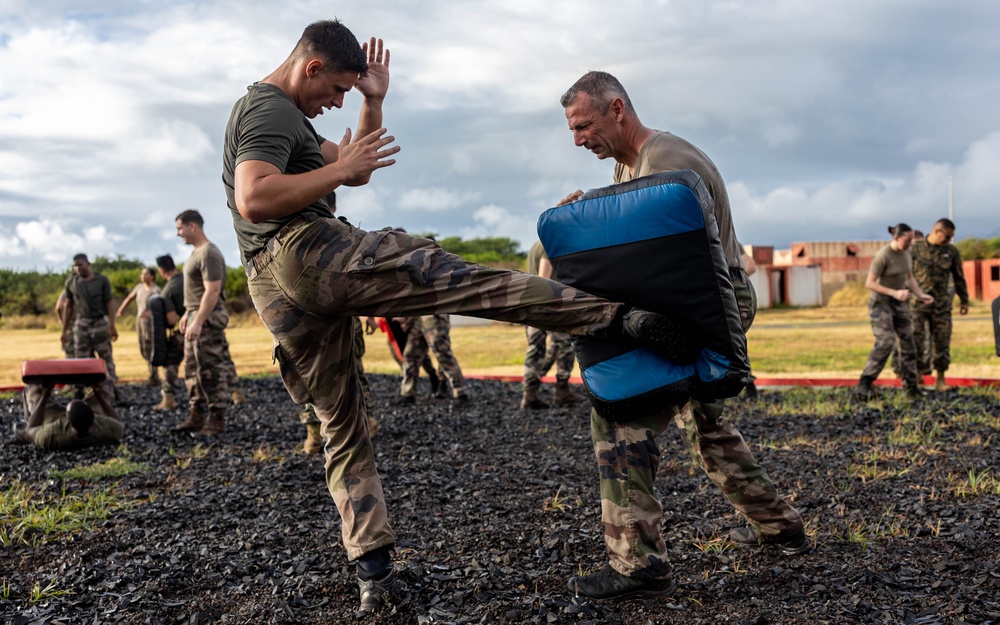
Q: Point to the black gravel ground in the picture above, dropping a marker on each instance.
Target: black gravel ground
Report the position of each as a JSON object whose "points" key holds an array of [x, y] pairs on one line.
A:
{"points": [[495, 509]]}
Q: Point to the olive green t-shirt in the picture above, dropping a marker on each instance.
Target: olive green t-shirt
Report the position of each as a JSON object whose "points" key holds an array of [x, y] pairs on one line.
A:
{"points": [[667, 152], [205, 264], [173, 295], [891, 267], [265, 125], [535, 256], [89, 297], [57, 434]]}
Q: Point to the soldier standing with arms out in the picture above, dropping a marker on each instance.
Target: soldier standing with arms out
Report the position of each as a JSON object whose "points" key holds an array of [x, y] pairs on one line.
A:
{"points": [[311, 273], [89, 314], [143, 319], [204, 326], [538, 358], [603, 120], [936, 262]]}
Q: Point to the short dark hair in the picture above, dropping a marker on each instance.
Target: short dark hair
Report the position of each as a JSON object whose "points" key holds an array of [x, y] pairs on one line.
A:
{"points": [[166, 262], [82, 257], [191, 216], [337, 45], [81, 415], [946, 223], [602, 88], [899, 229]]}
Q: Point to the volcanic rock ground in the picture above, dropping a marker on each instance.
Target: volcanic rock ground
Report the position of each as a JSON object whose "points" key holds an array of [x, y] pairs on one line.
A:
{"points": [[495, 509]]}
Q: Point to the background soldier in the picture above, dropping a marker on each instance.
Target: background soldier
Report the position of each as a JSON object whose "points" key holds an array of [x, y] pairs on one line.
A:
{"points": [[204, 326], [143, 319], [538, 358], [434, 332], [90, 314], [936, 262], [173, 301]]}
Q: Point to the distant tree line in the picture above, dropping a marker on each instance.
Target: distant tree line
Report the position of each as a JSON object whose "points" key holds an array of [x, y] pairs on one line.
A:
{"points": [[979, 249], [35, 293]]}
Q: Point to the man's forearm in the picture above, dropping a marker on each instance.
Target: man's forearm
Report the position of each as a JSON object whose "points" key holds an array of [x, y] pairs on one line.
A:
{"points": [[278, 195], [209, 299]]}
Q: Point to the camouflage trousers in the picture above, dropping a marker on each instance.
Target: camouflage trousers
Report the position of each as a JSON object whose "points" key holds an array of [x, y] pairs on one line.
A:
{"points": [[206, 373], [932, 337], [431, 332], [90, 338], [315, 275], [628, 458], [308, 414], [891, 323], [168, 382], [539, 358], [144, 329]]}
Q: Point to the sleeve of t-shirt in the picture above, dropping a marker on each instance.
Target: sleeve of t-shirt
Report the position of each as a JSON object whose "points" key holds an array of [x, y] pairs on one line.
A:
{"points": [[213, 267], [106, 290], [68, 289], [267, 133], [878, 265]]}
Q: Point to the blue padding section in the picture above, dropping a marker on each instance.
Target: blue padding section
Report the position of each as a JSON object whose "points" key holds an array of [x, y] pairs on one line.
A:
{"points": [[633, 374], [639, 215], [711, 366]]}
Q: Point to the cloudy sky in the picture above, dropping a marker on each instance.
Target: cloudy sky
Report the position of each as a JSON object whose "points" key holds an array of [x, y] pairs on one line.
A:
{"points": [[828, 120]]}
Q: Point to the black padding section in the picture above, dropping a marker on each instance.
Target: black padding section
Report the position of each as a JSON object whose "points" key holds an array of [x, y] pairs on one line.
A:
{"points": [[651, 243]]}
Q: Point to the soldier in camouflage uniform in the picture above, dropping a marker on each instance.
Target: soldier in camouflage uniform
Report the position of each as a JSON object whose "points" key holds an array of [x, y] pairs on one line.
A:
{"points": [[603, 120], [204, 322], [431, 332], [937, 263], [890, 279], [173, 301], [89, 314], [141, 293], [311, 273], [539, 358]]}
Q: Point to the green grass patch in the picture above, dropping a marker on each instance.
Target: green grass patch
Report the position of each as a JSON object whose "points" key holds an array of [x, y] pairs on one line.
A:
{"points": [[29, 516], [115, 467]]}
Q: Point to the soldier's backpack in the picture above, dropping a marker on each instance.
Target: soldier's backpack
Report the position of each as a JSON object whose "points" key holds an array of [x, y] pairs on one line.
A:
{"points": [[652, 242], [168, 344]]}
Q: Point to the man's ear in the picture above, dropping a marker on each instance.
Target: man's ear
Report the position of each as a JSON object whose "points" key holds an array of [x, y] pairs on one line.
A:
{"points": [[618, 108], [314, 67]]}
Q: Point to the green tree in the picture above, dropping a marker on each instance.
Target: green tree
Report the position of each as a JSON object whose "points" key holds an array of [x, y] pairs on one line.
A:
{"points": [[979, 249]]}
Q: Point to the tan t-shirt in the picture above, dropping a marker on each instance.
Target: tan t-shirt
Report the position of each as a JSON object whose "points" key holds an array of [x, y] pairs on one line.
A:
{"points": [[667, 152], [892, 267], [205, 264], [142, 295]]}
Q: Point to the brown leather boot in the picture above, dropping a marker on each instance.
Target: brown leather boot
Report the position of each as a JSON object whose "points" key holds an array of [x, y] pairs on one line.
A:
{"points": [[216, 423], [530, 401], [314, 439], [238, 397], [940, 384], [195, 420], [168, 402], [565, 396]]}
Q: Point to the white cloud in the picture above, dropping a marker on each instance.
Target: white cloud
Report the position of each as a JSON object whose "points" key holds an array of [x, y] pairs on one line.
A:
{"points": [[53, 243], [434, 200]]}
